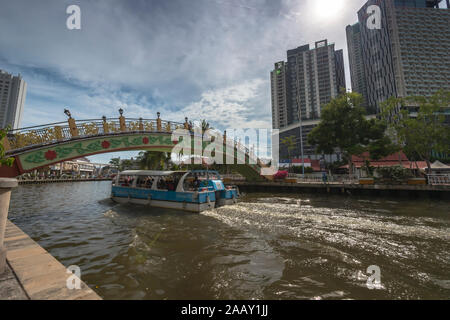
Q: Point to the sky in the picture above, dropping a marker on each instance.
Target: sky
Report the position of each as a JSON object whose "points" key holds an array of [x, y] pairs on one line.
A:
{"points": [[202, 59]]}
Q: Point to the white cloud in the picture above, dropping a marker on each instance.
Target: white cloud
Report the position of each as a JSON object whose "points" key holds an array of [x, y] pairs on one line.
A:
{"points": [[231, 107]]}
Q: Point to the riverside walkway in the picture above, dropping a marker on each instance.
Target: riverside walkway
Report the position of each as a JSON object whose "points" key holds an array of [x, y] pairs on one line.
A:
{"points": [[433, 191], [33, 274]]}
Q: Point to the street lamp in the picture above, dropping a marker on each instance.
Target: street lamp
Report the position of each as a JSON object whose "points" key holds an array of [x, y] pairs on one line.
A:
{"points": [[67, 112], [104, 118], [121, 111], [158, 114]]}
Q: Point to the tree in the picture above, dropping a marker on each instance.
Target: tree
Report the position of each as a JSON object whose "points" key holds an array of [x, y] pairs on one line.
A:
{"points": [[417, 124], [4, 161], [344, 126], [153, 160], [289, 142], [115, 162]]}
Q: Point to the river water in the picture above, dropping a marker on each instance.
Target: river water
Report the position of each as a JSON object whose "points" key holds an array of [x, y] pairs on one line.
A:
{"points": [[268, 246]]}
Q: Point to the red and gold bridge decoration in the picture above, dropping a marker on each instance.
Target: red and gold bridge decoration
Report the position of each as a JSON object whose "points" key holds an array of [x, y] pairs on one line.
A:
{"points": [[42, 146]]}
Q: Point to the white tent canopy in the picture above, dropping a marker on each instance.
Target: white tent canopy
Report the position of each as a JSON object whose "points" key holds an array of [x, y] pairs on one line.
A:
{"points": [[437, 165]]}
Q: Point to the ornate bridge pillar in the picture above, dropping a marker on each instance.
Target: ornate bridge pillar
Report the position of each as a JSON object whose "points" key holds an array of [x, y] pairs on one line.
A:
{"points": [[123, 126], [105, 125], [72, 124], [158, 123]]}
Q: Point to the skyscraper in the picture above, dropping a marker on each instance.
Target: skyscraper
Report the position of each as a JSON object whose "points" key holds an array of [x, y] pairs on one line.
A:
{"points": [[12, 99], [315, 77], [358, 76], [309, 80], [279, 96], [409, 54]]}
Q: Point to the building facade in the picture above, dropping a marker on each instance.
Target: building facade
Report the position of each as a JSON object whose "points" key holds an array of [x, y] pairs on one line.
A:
{"points": [[357, 73], [12, 99], [409, 54], [315, 77], [278, 81], [309, 80]]}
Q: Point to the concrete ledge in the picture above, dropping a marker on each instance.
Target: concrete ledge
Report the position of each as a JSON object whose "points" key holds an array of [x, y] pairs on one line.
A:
{"points": [[441, 191], [40, 275]]}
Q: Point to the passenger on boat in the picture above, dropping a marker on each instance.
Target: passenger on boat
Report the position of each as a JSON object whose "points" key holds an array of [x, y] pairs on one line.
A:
{"points": [[196, 182], [170, 185], [149, 183]]}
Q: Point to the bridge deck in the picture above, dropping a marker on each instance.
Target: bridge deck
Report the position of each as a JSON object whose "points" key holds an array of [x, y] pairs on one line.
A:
{"points": [[32, 273]]}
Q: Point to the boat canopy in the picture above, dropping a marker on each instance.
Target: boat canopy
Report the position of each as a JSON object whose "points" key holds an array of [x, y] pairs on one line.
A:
{"points": [[149, 173]]}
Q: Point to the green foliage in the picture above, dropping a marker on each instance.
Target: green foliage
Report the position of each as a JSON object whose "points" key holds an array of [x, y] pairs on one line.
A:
{"points": [[289, 142], [299, 170], [395, 174], [345, 127], [417, 125], [115, 162], [150, 160], [4, 161]]}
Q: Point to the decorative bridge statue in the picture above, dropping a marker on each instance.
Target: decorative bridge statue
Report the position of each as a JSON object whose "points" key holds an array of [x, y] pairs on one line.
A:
{"points": [[40, 146]]}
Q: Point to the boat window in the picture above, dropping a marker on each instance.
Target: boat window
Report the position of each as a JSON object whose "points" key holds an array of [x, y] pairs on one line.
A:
{"points": [[145, 182], [126, 181]]}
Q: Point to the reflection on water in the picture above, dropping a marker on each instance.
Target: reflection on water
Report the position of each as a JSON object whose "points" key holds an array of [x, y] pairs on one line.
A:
{"points": [[266, 247]]}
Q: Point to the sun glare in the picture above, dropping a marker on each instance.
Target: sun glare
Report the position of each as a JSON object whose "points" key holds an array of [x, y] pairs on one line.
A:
{"points": [[328, 9]]}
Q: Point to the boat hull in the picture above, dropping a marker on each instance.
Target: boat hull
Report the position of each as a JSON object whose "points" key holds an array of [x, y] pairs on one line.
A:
{"points": [[183, 206]]}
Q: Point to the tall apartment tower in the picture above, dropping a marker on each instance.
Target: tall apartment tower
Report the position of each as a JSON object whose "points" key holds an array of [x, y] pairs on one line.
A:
{"points": [[316, 76], [278, 81], [12, 99], [409, 54], [309, 80], [358, 76]]}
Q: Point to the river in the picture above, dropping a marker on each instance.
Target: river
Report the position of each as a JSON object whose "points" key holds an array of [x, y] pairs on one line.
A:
{"points": [[268, 246]]}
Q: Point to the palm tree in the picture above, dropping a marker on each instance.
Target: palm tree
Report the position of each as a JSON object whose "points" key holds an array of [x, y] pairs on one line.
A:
{"points": [[153, 160], [289, 142], [115, 162]]}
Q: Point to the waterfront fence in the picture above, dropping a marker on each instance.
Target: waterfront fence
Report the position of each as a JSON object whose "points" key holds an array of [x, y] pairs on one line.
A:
{"points": [[439, 179]]}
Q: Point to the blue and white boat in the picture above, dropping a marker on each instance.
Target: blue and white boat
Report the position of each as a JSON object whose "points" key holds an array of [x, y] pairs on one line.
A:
{"points": [[194, 191]]}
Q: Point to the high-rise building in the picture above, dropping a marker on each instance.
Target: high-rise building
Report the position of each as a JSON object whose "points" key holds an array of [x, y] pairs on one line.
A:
{"points": [[309, 80], [12, 99], [357, 73], [315, 77], [409, 54], [279, 96]]}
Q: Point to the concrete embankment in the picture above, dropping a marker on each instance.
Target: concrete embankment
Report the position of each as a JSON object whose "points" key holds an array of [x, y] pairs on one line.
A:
{"points": [[44, 181], [33, 274], [412, 191]]}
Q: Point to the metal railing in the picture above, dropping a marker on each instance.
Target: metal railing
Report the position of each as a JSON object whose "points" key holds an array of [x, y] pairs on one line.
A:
{"points": [[62, 131], [439, 179], [318, 178]]}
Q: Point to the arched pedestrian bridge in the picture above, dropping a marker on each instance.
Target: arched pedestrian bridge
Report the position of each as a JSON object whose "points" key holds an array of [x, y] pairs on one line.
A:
{"points": [[41, 146]]}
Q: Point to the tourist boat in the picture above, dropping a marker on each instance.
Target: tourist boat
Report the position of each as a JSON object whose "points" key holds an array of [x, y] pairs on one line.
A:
{"points": [[195, 191]]}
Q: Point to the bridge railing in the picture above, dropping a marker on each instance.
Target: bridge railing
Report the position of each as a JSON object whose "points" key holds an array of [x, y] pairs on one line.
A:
{"points": [[61, 131], [42, 135]]}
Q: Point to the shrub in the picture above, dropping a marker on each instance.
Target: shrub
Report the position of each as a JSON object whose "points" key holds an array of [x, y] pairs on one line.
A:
{"points": [[280, 175], [4, 161], [395, 173], [299, 170]]}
